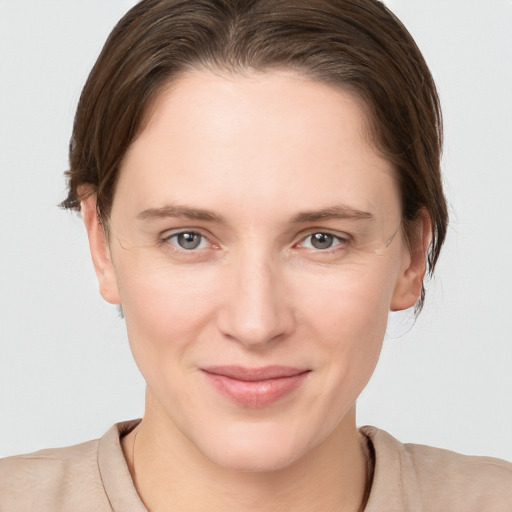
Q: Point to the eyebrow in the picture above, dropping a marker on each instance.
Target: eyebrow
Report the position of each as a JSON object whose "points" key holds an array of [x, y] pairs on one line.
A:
{"points": [[179, 211], [333, 212]]}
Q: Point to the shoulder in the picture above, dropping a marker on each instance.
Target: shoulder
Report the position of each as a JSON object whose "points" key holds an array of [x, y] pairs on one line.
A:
{"points": [[54, 479], [480, 483], [437, 463], [437, 479]]}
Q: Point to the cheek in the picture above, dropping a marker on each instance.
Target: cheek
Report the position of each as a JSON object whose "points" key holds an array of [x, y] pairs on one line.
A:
{"points": [[164, 309], [347, 316], [352, 305]]}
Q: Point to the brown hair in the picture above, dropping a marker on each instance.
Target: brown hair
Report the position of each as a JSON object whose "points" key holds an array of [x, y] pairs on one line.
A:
{"points": [[358, 45]]}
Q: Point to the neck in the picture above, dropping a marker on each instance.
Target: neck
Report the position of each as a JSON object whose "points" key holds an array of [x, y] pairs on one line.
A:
{"points": [[167, 468]]}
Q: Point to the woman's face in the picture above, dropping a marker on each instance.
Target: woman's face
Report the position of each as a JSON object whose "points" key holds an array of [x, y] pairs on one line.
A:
{"points": [[247, 248]]}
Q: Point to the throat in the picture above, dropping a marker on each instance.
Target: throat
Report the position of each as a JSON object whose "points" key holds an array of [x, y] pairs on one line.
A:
{"points": [[334, 476]]}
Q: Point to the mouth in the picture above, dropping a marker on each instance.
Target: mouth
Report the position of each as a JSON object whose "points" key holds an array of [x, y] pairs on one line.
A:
{"points": [[255, 387]]}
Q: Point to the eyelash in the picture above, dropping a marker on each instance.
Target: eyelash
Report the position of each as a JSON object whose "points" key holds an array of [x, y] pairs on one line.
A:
{"points": [[166, 239], [339, 241]]}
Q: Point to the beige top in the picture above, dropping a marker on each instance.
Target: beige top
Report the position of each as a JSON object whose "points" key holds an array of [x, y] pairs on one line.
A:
{"points": [[93, 476]]}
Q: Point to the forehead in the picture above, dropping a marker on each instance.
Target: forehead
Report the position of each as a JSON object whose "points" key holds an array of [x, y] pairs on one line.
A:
{"points": [[254, 142], [288, 104]]}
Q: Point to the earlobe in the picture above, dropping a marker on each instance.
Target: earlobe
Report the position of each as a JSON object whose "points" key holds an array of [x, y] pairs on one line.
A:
{"points": [[410, 281], [100, 251]]}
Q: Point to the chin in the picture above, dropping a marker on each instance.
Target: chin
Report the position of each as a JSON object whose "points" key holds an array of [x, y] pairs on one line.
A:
{"points": [[255, 448]]}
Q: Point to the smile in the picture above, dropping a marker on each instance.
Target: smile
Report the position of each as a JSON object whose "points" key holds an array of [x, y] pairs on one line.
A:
{"points": [[255, 387]]}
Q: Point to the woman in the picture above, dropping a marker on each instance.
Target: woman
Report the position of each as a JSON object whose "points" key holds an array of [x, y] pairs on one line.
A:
{"points": [[260, 185]]}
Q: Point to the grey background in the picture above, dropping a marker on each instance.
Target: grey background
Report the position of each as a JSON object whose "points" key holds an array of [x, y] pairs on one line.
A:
{"points": [[66, 373]]}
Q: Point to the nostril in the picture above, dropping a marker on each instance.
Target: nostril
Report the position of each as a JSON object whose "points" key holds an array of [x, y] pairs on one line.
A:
{"points": [[256, 309], [256, 323]]}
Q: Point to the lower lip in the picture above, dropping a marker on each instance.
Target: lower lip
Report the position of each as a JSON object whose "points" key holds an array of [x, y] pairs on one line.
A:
{"points": [[255, 394]]}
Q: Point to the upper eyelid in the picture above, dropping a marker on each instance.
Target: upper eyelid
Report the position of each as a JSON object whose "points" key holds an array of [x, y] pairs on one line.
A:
{"points": [[338, 239], [164, 238], [168, 233], [337, 234]]}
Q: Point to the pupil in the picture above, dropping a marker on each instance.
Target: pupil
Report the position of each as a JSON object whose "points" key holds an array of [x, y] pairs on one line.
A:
{"points": [[189, 240], [322, 240]]}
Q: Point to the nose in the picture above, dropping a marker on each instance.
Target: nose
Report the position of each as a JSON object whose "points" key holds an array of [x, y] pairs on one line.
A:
{"points": [[257, 310]]}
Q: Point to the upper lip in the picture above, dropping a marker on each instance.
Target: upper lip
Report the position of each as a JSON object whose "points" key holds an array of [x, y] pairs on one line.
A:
{"points": [[254, 374]]}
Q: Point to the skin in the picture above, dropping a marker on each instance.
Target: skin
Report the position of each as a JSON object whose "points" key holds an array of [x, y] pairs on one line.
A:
{"points": [[255, 151]]}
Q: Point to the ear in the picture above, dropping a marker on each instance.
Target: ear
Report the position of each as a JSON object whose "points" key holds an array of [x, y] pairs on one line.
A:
{"points": [[100, 251], [410, 280]]}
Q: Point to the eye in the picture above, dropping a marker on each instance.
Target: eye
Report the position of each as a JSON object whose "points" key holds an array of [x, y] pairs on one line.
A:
{"points": [[187, 240], [322, 241]]}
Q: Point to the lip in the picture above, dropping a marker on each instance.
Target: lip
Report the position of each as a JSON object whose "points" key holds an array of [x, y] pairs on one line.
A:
{"points": [[255, 387]]}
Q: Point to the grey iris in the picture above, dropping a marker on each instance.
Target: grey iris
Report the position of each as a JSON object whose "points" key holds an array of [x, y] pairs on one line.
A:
{"points": [[322, 240], [189, 240]]}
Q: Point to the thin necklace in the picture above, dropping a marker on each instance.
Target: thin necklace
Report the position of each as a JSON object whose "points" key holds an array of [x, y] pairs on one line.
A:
{"points": [[133, 449], [369, 454], [368, 451]]}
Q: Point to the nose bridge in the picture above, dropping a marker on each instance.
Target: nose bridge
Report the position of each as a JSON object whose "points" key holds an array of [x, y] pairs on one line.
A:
{"points": [[256, 311]]}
